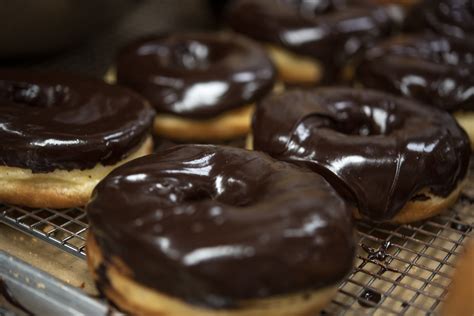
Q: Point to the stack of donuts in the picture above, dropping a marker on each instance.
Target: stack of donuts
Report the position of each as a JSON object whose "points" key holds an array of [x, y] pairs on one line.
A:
{"points": [[352, 109]]}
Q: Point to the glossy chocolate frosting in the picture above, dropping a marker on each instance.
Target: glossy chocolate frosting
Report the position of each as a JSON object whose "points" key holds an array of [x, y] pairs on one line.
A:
{"points": [[54, 121], [379, 151], [331, 30], [433, 69], [213, 225], [448, 17], [196, 75]]}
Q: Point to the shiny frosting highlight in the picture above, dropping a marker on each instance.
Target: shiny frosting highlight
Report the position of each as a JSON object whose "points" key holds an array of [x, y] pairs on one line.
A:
{"points": [[215, 225], [436, 70], [54, 121], [332, 31], [379, 151], [197, 75]]}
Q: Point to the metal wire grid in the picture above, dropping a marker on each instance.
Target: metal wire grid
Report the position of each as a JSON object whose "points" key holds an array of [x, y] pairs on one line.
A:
{"points": [[399, 269], [65, 228], [406, 269]]}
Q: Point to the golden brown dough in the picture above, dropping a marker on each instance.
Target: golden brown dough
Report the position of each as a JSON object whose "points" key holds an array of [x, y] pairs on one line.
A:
{"points": [[415, 211], [295, 69], [57, 189], [229, 125], [466, 120]]}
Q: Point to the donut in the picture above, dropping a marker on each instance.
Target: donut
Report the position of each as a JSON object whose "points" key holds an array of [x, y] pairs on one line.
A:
{"points": [[311, 41], [461, 291], [454, 18], [434, 69], [216, 230], [407, 4], [202, 85], [60, 134], [393, 159]]}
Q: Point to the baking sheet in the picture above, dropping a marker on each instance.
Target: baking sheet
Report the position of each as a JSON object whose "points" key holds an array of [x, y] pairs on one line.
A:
{"points": [[39, 293]]}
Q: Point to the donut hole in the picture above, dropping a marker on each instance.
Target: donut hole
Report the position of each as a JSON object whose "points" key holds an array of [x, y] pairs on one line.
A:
{"points": [[197, 194], [195, 54], [225, 189], [33, 94], [364, 120], [191, 55]]}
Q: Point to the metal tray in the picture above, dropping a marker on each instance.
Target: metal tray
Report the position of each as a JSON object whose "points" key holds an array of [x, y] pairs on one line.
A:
{"points": [[41, 294]]}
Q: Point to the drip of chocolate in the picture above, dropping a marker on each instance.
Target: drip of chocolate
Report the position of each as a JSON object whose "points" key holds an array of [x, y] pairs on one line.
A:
{"points": [[369, 295], [196, 75], [377, 254], [214, 225], [377, 150], [54, 121], [462, 227]]}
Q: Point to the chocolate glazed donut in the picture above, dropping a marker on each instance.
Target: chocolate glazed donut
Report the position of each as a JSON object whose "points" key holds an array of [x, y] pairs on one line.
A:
{"points": [[331, 32], [395, 159], [453, 18], [61, 133], [203, 229], [197, 78], [434, 69]]}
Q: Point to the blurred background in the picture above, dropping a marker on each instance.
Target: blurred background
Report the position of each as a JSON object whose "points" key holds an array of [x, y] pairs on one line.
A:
{"points": [[83, 36]]}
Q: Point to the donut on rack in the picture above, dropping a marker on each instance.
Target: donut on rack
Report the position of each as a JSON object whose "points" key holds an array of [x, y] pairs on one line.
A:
{"points": [[214, 230], [61, 134], [312, 41], [394, 159], [434, 69], [203, 85], [454, 18]]}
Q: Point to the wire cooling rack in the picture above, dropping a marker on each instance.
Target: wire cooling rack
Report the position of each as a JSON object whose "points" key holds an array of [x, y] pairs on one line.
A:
{"points": [[399, 270], [65, 228]]}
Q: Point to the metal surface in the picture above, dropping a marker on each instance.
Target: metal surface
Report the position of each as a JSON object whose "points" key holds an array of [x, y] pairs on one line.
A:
{"points": [[37, 292], [63, 228], [409, 266]]}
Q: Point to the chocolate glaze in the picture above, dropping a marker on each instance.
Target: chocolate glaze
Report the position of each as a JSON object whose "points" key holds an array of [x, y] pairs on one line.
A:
{"points": [[448, 17], [369, 298], [54, 121], [458, 225], [332, 31], [376, 149], [378, 257], [433, 69], [197, 75], [379, 254], [213, 225]]}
